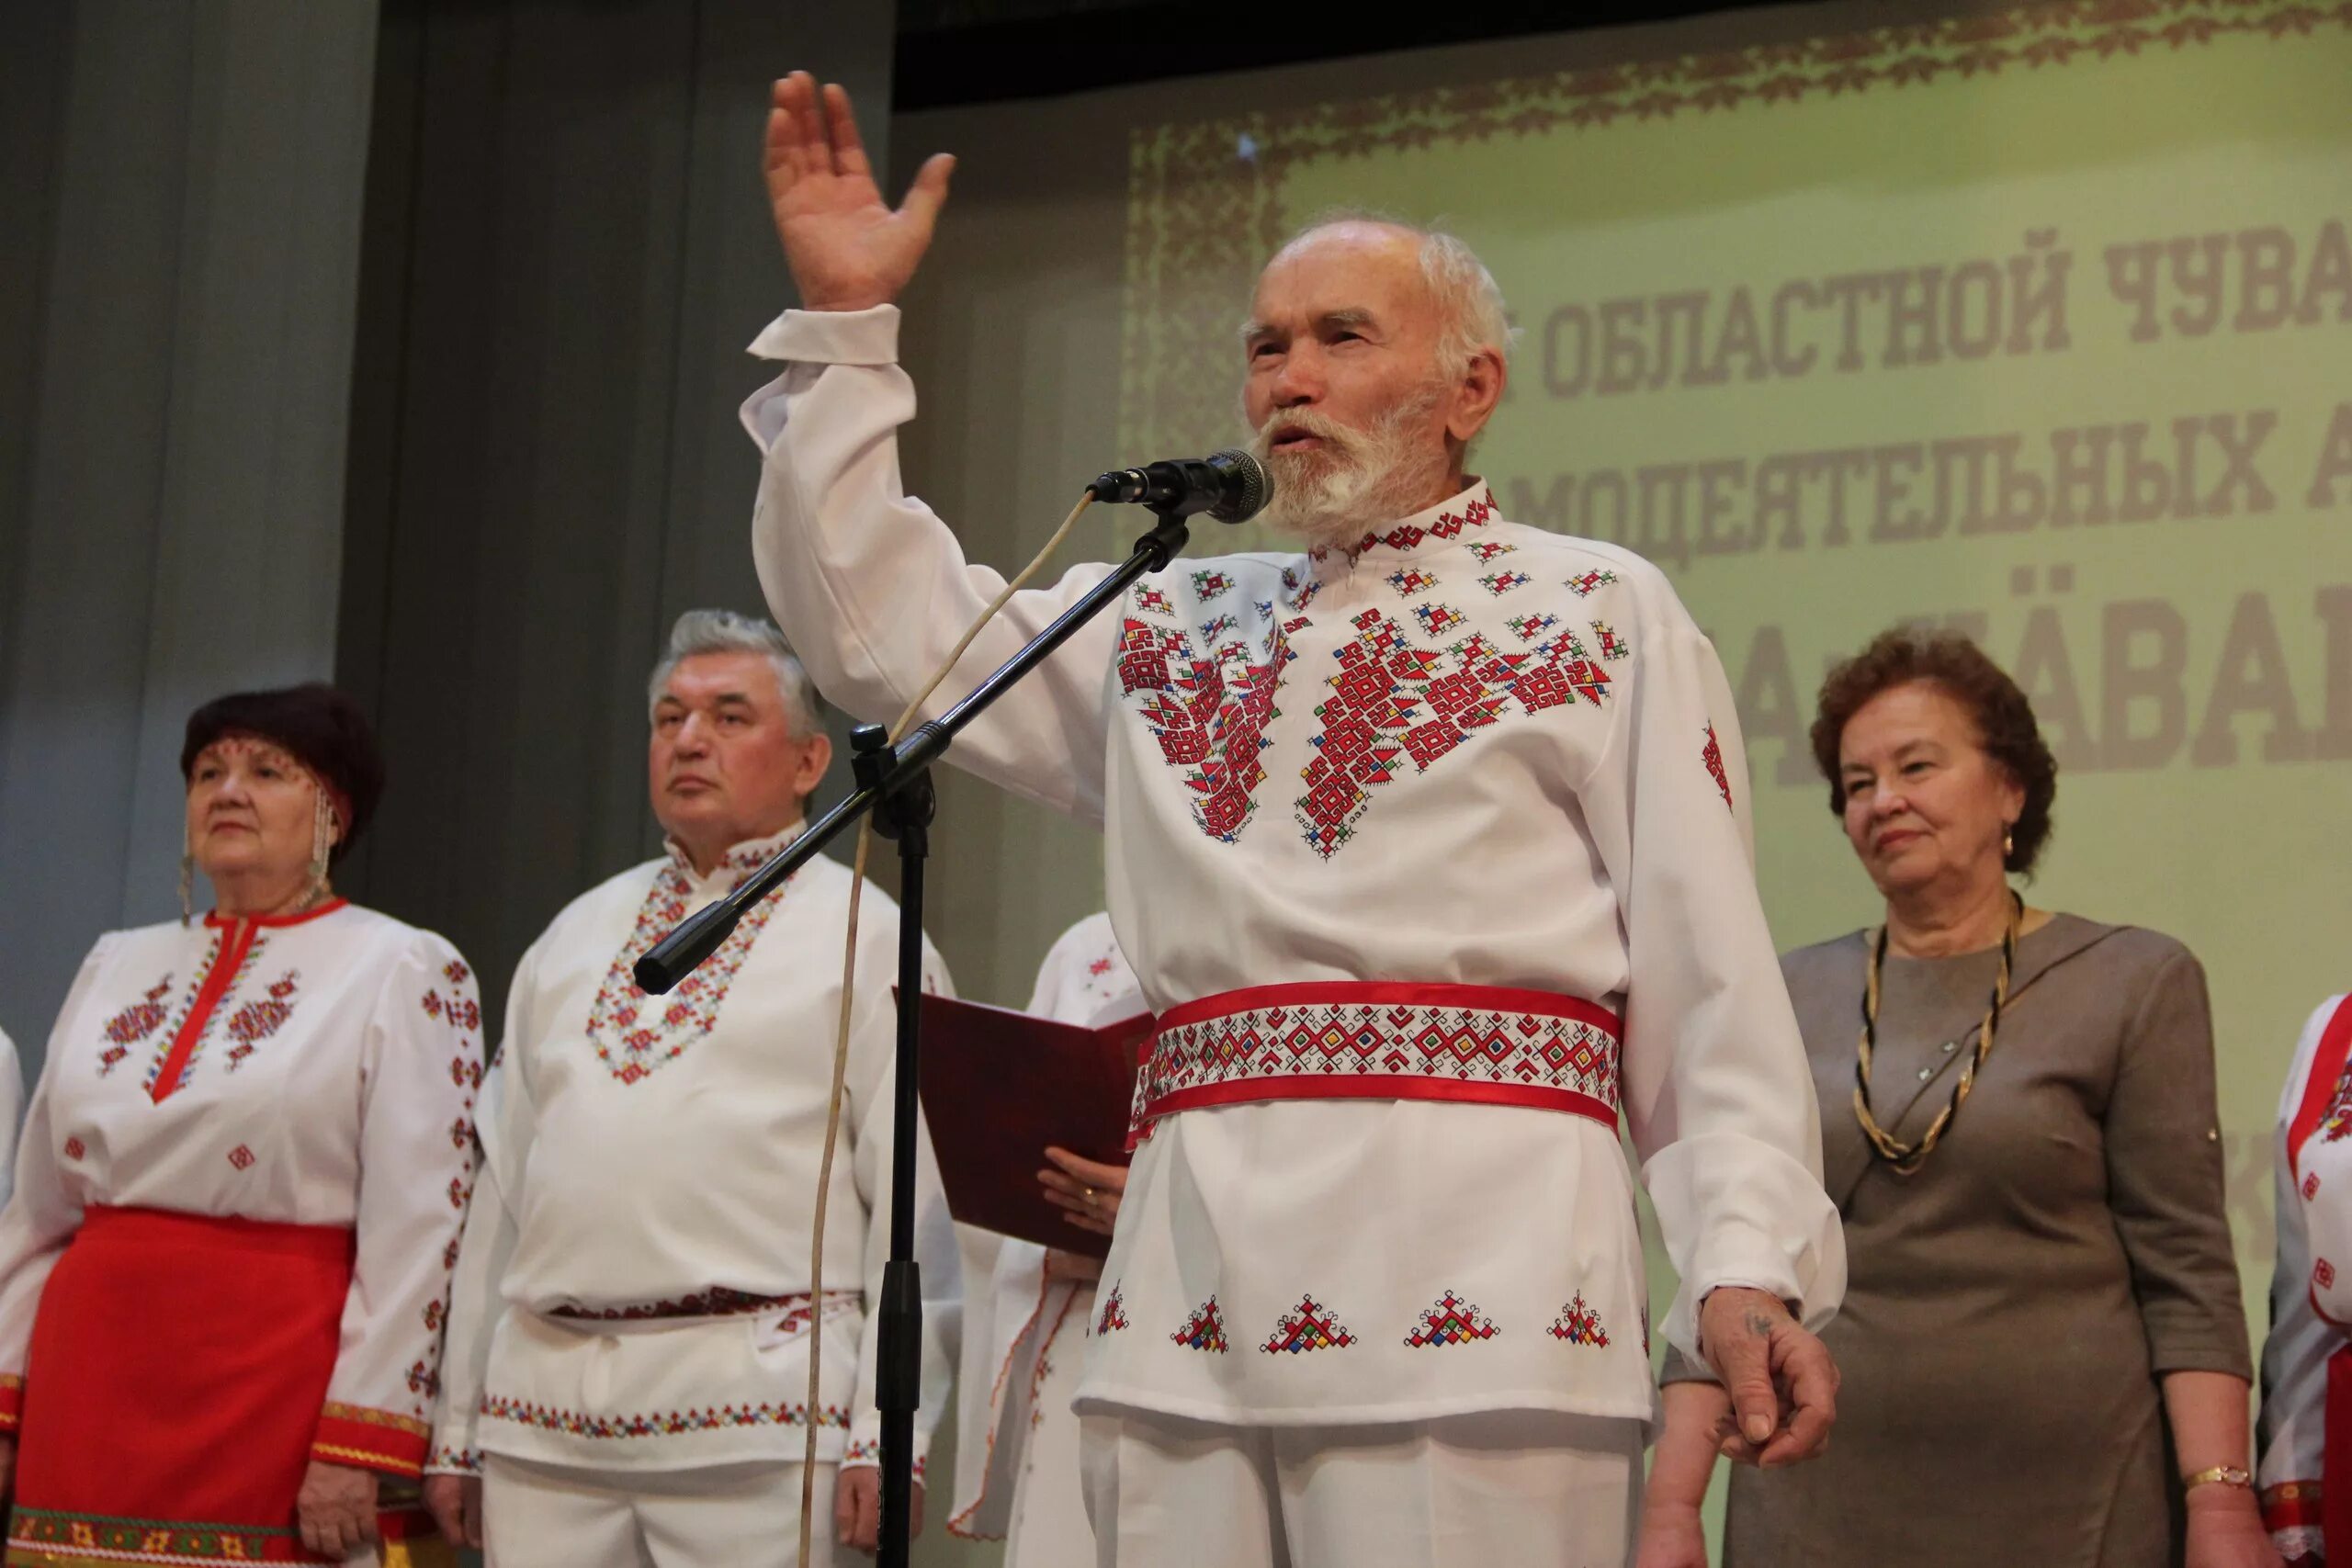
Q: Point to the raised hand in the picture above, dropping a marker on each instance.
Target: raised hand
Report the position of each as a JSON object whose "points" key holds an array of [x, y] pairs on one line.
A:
{"points": [[849, 250]]}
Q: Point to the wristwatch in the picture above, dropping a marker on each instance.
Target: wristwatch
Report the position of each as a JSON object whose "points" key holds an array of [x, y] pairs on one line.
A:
{"points": [[2220, 1474]]}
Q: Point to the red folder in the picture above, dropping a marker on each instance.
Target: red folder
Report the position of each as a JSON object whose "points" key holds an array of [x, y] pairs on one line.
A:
{"points": [[997, 1085]]}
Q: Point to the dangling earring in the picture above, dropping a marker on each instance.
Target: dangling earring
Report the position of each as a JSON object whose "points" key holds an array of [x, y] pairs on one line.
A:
{"points": [[321, 842], [2008, 845], [187, 879]]}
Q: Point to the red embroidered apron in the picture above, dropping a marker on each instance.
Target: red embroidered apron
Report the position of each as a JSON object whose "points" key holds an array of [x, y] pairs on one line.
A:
{"points": [[1357, 1040], [174, 1387]]}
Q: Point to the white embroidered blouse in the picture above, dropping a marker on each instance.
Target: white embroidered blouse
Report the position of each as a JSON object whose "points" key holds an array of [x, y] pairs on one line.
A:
{"points": [[632, 1292], [2311, 1289], [1016, 1309], [311, 1070], [1465, 753]]}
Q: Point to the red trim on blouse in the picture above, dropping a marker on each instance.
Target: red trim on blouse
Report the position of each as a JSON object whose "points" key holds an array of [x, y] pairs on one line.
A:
{"points": [[2319, 1084], [242, 930]]}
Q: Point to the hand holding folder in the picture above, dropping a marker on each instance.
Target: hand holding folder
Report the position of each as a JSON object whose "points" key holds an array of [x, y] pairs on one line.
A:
{"points": [[999, 1086]]}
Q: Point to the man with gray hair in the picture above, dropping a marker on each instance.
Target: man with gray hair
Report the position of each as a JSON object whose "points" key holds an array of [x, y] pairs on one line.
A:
{"points": [[626, 1374], [1429, 847]]}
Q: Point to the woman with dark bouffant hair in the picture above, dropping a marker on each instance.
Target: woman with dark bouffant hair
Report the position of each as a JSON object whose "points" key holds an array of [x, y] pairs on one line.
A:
{"points": [[2043, 1352], [224, 1269]]}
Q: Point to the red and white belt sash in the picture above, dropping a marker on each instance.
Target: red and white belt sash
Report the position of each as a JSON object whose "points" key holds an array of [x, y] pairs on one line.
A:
{"points": [[1357, 1040]]}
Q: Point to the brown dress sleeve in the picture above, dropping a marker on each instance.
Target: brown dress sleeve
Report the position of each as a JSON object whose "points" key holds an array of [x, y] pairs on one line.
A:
{"points": [[2165, 1178]]}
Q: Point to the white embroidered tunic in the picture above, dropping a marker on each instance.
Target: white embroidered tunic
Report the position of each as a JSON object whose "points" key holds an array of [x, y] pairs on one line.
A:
{"points": [[313, 1069], [1016, 1310], [2311, 1291], [1465, 753], [633, 1291]]}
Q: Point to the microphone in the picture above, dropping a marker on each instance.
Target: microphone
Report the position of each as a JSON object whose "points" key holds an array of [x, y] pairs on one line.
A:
{"points": [[1230, 486]]}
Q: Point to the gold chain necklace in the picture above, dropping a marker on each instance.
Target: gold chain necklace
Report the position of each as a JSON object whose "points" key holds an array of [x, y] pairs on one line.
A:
{"points": [[1907, 1158]]}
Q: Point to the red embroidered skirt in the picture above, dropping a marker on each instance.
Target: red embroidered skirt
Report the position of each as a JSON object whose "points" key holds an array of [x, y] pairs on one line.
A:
{"points": [[173, 1390]]}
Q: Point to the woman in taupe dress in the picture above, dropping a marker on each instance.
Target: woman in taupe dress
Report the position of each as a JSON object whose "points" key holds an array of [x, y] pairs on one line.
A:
{"points": [[2043, 1352]]}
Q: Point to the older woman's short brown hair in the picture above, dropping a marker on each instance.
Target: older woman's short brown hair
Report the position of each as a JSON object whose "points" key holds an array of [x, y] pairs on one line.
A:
{"points": [[2005, 723]]}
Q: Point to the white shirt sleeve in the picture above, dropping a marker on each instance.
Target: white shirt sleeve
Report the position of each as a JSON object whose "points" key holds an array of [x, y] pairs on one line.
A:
{"points": [[1719, 1097], [421, 1071], [12, 1112], [874, 590], [41, 1215], [2293, 1433]]}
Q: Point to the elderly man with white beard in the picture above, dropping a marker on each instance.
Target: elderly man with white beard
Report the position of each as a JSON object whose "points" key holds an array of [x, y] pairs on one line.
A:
{"points": [[1429, 843]]}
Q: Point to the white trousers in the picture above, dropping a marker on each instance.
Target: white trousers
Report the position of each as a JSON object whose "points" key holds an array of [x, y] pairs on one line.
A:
{"points": [[1493, 1490], [1048, 1528], [544, 1517]]}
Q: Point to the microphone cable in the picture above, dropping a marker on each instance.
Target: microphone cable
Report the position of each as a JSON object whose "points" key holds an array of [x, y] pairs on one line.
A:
{"points": [[840, 1036]]}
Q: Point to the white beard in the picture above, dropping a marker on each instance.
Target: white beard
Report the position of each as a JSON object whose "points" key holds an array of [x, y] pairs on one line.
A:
{"points": [[1357, 481]]}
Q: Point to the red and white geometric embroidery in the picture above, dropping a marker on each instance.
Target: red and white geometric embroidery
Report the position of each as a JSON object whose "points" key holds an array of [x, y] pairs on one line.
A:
{"points": [[1438, 619], [241, 1157], [1204, 1330], [1449, 524], [1408, 581], [1501, 582], [258, 1021], [666, 1424], [1390, 698], [1214, 629], [2337, 1124], [1114, 1313], [1564, 1059], [634, 1033], [1579, 1324], [1487, 549], [1208, 585], [76, 1148], [1451, 1321], [1712, 754], [142, 1018], [2323, 1273], [1583, 586], [1152, 601], [456, 972], [1527, 628], [2311, 1186], [1613, 647], [1209, 716], [1307, 1327]]}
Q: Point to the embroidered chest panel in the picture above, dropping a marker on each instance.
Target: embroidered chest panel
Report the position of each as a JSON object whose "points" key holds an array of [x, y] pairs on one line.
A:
{"points": [[1393, 705], [246, 1008], [1208, 712], [636, 1034], [1404, 692]]}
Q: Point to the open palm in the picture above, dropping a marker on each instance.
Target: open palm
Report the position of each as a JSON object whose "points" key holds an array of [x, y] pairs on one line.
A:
{"points": [[849, 250]]}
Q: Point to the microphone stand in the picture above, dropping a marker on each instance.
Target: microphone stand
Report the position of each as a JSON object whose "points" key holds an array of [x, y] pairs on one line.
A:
{"points": [[894, 784]]}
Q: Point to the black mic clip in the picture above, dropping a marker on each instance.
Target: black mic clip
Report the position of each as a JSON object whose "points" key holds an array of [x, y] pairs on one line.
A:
{"points": [[1230, 486]]}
